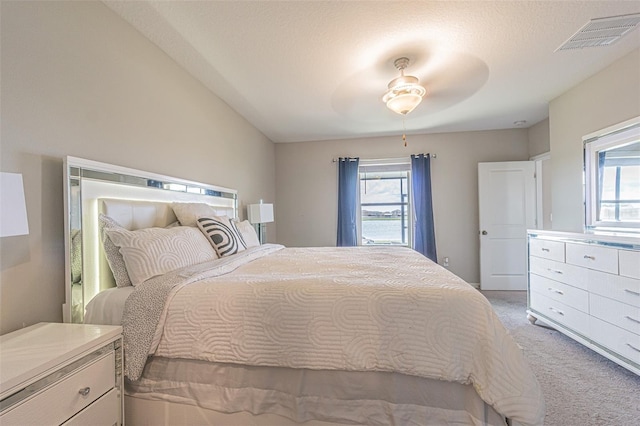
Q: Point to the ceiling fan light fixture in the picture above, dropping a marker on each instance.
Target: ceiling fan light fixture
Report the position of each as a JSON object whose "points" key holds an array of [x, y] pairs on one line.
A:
{"points": [[405, 93]]}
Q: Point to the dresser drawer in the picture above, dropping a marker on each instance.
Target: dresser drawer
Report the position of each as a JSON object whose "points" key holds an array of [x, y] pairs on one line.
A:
{"points": [[103, 412], [559, 312], [570, 296], [617, 313], [616, 339], [558, 271], [593, 256], [623, 289], [629, 263], [61, 400], [546, 249]]}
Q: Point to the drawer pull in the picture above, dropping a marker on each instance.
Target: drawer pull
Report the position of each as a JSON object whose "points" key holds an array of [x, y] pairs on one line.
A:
{"points": [[586, 256], [555, 290], [633, 347], [632, 319], [557, 311], [84, 391], [632, 292], [545, 249], [555, 271]]}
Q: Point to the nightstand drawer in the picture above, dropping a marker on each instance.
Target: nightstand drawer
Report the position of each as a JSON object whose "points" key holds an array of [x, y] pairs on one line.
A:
{"points": [[103, 412], [547, 249], [570, 296], [593, 256], [558, 271], [56, 403]]}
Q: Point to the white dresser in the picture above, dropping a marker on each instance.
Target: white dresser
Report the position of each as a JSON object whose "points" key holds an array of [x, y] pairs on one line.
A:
{"points": [[588, 287], [54, 374]]}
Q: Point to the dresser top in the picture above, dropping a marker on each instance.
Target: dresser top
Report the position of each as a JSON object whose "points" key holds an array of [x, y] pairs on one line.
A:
{"points": [[30, 353], [619, 240]]}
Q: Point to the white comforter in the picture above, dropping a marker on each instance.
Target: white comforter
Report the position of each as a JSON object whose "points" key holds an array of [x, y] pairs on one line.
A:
{"points": [[364, 308]]}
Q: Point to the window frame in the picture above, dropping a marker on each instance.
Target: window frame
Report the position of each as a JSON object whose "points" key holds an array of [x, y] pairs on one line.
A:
{"points": [[405, 164], [619, 135]]}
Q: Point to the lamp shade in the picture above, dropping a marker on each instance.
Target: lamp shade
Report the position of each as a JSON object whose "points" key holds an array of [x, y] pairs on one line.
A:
{"points": [[260, 213], [13, 209]]}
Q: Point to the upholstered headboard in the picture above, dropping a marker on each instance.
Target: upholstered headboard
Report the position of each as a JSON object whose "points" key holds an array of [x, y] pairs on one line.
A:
{"points": [[136, 200]]}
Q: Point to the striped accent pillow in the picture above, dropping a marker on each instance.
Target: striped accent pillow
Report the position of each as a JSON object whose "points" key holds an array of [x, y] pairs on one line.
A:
{"points": [[222, 234]]}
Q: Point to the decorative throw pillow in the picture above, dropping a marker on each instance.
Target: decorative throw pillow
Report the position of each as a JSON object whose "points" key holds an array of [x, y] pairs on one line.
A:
{"points": [[151, 252], [188, 213], [248, 233], [222, 234], [112, 253]]}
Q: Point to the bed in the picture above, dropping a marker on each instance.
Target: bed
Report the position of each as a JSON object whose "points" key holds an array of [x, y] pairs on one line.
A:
{"points": [[273, 335]]}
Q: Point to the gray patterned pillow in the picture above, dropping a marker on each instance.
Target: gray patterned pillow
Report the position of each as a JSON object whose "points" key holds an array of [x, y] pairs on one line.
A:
{"points": [[222, 234], [155, 251], [112, 253]]}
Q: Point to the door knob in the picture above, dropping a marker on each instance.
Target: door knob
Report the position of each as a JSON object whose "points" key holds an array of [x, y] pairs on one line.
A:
{"points": [[484, 232]]}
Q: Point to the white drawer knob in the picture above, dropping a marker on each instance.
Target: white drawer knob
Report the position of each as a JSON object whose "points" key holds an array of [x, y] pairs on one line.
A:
{"points": [[84, 391]]}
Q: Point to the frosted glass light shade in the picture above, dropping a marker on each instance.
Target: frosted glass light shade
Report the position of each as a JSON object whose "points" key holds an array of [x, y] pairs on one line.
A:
{"points": [[13, 209], [260, 213], [404, 103]]}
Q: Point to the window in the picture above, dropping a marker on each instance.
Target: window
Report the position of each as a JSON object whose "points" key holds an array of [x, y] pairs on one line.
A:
{"points": [[620, 188], [385, 217], [612, 171]]}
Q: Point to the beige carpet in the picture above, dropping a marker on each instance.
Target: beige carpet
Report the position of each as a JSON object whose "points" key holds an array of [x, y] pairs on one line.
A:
{"points": [[580, 387]]}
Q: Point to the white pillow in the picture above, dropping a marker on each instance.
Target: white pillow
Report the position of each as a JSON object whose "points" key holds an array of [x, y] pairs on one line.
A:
{"points": [[222, 234], [151, 252], [188, 213], [248, 233], [111, 251]]}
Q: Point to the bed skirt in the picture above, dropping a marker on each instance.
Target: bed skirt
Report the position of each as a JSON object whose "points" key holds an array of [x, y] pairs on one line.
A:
{"points": [[187, 392]]}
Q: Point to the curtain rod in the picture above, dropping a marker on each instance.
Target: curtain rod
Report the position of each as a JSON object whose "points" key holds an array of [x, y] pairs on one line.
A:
{"points": [[335, 160]]}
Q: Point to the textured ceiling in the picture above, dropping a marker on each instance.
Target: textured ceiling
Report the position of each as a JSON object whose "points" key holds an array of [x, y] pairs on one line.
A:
{"points": [[316, 70]]}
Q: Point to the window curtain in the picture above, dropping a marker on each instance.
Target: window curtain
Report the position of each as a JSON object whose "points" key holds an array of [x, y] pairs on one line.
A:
{"points": [[424, 240], [347, 201]]}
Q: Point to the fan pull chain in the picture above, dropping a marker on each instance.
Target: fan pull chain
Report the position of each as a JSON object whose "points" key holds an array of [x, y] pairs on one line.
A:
{"points": [[404, 133]]}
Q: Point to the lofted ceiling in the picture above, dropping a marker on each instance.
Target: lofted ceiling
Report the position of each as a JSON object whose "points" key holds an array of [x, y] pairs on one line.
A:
{"points": [[317, 70]]}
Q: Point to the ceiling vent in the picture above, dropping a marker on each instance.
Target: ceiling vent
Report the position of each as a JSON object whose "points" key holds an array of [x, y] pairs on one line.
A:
{"points": [[601, 32]]}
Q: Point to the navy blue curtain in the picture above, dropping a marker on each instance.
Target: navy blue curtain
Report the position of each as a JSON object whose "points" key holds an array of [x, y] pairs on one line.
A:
{"points": [[347, 201], [424, 240]]}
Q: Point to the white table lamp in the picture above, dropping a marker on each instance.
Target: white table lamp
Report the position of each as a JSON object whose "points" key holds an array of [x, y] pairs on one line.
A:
{"points": [[259, 214], [13, 209]]}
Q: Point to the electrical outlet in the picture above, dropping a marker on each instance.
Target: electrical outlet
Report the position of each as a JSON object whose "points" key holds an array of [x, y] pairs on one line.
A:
{"points": [[445, 262]]}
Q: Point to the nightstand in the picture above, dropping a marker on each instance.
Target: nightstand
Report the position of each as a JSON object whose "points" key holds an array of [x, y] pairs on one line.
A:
{"points": [[71, 374]]}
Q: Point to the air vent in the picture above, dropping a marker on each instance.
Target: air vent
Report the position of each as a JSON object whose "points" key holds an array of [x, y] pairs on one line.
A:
{"points": [[601, 32]]}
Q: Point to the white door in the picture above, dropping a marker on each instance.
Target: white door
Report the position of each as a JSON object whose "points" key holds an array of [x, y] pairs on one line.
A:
{"points": [[507, 193]]}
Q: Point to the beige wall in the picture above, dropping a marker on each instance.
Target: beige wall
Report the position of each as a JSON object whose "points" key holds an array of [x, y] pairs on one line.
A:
{"points": [[607, 98], [306, 178], [539, 138], [78, 80]]}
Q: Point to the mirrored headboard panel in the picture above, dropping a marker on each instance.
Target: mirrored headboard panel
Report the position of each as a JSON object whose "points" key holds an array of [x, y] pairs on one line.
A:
{"points": [[85, 183], [612, 178]]}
